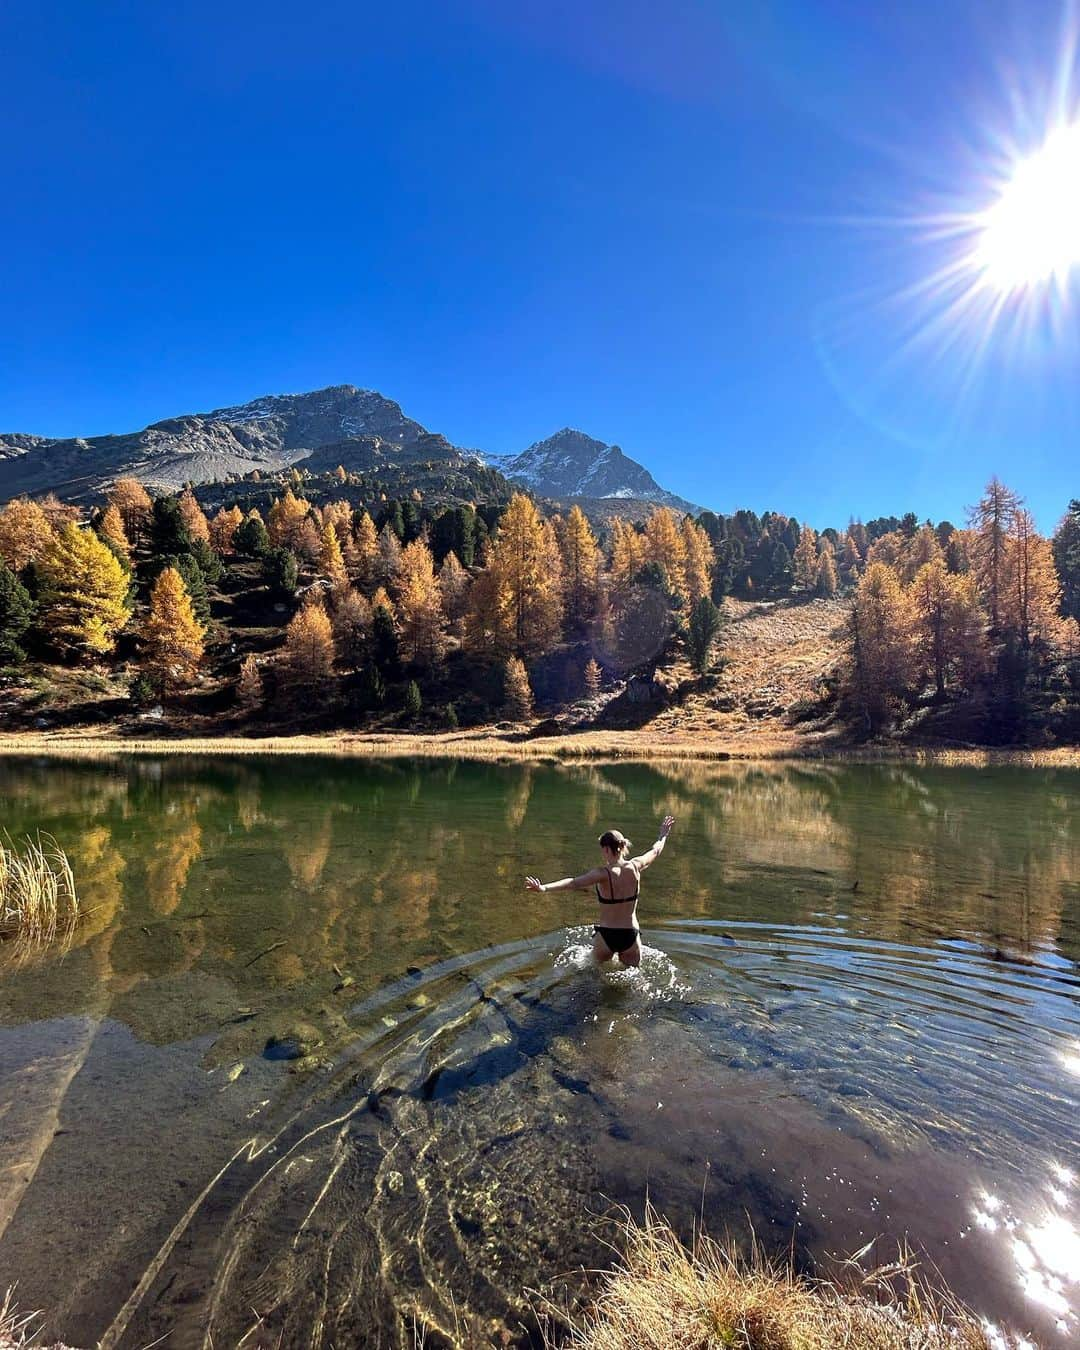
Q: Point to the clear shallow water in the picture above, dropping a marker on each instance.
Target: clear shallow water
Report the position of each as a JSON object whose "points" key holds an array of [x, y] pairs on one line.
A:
{"points": [[836, 1062]]}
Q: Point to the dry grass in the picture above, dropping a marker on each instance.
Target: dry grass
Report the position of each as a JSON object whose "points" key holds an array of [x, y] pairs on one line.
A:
{"points": [[663, 1296], [687, 742], [16, 1329], [38, 901]]}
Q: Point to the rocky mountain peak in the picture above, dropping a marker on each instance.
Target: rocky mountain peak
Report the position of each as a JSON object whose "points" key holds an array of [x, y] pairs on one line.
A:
{"points": [[573, 464]]}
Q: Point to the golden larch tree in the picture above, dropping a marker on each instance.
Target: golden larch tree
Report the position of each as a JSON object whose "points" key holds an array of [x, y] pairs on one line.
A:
{"points": [[518, 692], [194, 517], [850, 559], [948, 626], [249, 685], [664, 545], [307, 659], [924, 547], [331, 562], [699, 560], [887, 550], [991, 521], [25, 532], [527, 569], [454, 581], [351, 623], [420, 607], [881, 644], [83, 597], [580, 567], [1030, 601], [627, 555], [133, 502], [223, 529], [171, 638], [286, 518], [110, 527], [483, 615], [388, 558], [805, 559], [825, 580], [366, 540], [307, 541]]}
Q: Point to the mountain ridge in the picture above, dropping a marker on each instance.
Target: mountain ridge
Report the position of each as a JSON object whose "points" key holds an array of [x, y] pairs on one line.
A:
{"points": [[361, 429]]}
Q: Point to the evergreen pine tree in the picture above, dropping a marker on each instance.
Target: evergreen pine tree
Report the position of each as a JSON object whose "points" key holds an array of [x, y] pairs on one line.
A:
{"points": [[281, 572], [1066, 544], [252, 538], [16, 614], [702, 631], [413, 702], [384, 641], [169, 533]]}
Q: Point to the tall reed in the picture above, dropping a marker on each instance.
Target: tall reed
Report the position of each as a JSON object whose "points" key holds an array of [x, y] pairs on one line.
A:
{"points": [[665, 1296], [38, 901], [17, 1330]]}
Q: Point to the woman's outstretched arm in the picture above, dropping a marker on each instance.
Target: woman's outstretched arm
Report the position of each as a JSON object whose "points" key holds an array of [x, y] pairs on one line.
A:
{"points": [[581, 883], [647, 858]]}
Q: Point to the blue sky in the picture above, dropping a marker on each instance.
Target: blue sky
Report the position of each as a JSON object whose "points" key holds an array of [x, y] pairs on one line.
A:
{"points": [[701, 231]]}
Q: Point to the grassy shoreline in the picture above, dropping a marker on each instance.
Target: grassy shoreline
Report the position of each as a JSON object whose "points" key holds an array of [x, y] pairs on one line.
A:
{"points": [[493, 745]]}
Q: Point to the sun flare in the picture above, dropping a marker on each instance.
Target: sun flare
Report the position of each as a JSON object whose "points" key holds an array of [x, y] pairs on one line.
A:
{"points": [[1030, 236]]}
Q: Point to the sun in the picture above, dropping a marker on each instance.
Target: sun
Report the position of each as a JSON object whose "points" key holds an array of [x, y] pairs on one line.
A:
{"points": [[1030, 236]]}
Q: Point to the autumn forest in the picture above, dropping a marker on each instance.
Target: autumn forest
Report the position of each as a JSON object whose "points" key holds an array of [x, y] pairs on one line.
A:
{"points": [[317, 610]]}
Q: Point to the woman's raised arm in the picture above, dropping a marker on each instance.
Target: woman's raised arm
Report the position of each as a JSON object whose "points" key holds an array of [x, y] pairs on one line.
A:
{"points": [[647, 858], [581, 883]]}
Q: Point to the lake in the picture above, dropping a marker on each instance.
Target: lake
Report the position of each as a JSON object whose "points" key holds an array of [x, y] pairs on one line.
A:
{"points": [[317, 1070]]}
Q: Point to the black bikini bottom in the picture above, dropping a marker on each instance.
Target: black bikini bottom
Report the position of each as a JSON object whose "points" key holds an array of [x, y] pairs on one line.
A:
{"points": [[617, 939]]}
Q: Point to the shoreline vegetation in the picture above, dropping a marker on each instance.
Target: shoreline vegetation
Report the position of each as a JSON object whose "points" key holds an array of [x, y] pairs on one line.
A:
{"points": [[662, 1295], [496, 745], [39, 905]]}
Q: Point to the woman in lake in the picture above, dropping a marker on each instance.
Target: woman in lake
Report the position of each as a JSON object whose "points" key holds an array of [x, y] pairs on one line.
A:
{"points": [[618, 884]]}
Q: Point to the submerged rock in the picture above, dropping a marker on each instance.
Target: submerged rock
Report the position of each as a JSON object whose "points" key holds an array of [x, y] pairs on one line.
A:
{"points": [[297, 1042]]}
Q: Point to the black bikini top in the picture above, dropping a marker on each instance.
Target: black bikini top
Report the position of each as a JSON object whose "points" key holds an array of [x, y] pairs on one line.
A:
{"points": [[615, 899]]}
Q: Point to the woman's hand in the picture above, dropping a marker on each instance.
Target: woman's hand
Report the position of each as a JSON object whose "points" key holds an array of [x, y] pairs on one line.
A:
{"points": [[666, 828], [533, 884]]}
